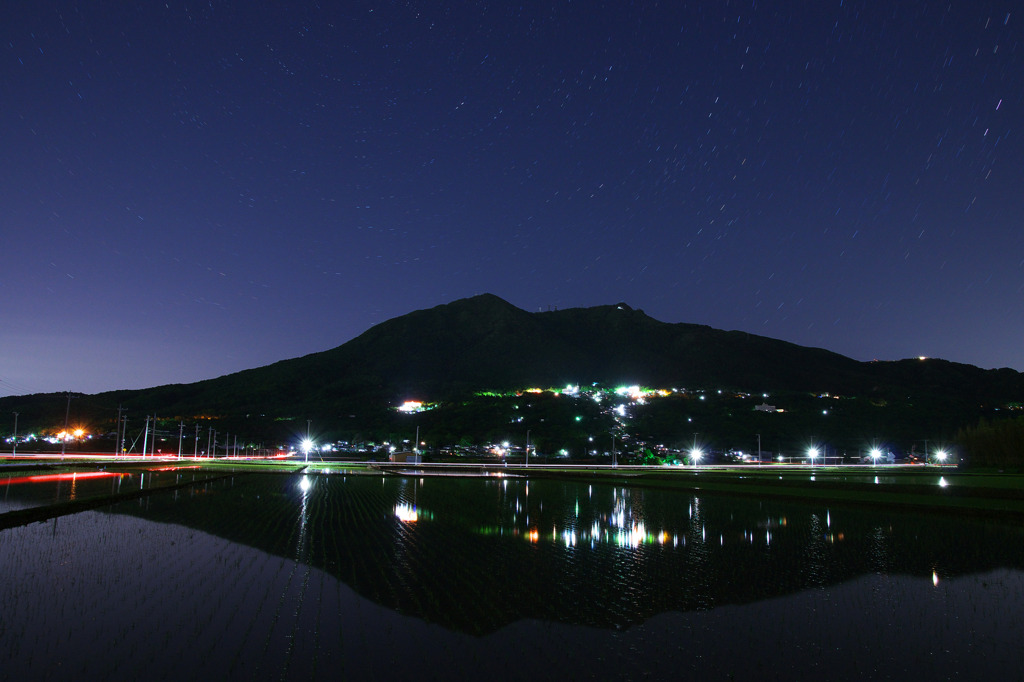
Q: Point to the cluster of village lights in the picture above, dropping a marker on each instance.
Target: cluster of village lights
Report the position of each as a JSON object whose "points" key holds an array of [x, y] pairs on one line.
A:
{"points": [[66, 435], [696, 453]]}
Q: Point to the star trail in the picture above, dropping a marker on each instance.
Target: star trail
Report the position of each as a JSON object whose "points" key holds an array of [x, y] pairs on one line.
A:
{"points": [[188, 190]]}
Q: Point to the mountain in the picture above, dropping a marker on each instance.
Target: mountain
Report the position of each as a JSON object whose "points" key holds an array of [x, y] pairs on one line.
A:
{"points": [[483, 343]]}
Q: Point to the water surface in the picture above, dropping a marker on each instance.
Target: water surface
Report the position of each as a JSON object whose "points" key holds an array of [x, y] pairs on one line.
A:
{"points": [[351, 576]]}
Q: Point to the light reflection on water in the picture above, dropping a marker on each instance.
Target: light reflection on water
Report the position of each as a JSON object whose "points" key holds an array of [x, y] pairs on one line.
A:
{"points": [[619, 522], [308, 576], [35, 490]]}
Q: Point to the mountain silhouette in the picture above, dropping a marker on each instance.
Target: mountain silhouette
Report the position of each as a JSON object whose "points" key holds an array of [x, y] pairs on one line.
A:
{"points": [[454, 351]]}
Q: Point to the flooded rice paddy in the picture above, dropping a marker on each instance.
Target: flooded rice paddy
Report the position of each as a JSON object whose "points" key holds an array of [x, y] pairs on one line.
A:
{"points": [[23, 489], [348, 577]]}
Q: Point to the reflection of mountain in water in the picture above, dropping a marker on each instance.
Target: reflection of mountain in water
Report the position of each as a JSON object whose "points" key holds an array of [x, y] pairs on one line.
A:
{"points": [[476, 555]]}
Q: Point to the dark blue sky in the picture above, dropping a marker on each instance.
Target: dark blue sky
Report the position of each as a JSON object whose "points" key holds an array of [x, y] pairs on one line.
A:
{"points": [[187, 190]]}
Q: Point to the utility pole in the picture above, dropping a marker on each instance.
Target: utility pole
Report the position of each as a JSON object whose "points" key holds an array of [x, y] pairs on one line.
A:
{"points": [[181, 432], [759, 449], [14, 449], [145, 440], [527, 447], [64, 440], [209, 435], [196, 453], [117, 434], [153, 447], [124, 433]]}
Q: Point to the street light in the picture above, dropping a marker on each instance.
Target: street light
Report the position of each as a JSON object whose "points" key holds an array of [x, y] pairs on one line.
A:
{"points": [[812, 453], [308, 443], [875, 454], [695, 455], [941, 455]]}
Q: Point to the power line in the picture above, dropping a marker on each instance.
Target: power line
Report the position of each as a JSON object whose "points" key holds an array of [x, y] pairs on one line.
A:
{"points": [[14, 388]]}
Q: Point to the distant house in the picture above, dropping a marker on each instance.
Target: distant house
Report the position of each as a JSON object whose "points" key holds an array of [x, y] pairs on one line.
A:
{"points": [[408, 457], [764, 407]]}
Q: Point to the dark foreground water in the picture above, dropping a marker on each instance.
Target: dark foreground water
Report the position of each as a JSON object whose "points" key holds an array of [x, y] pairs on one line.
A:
{"points": [[357, 577]]}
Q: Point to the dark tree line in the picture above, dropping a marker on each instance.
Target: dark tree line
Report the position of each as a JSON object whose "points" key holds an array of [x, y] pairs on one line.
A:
{"points": [[993, 443]]}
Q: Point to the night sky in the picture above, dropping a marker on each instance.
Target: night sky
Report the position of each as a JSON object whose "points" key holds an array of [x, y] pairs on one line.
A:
{"points": [[187, 190]]}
